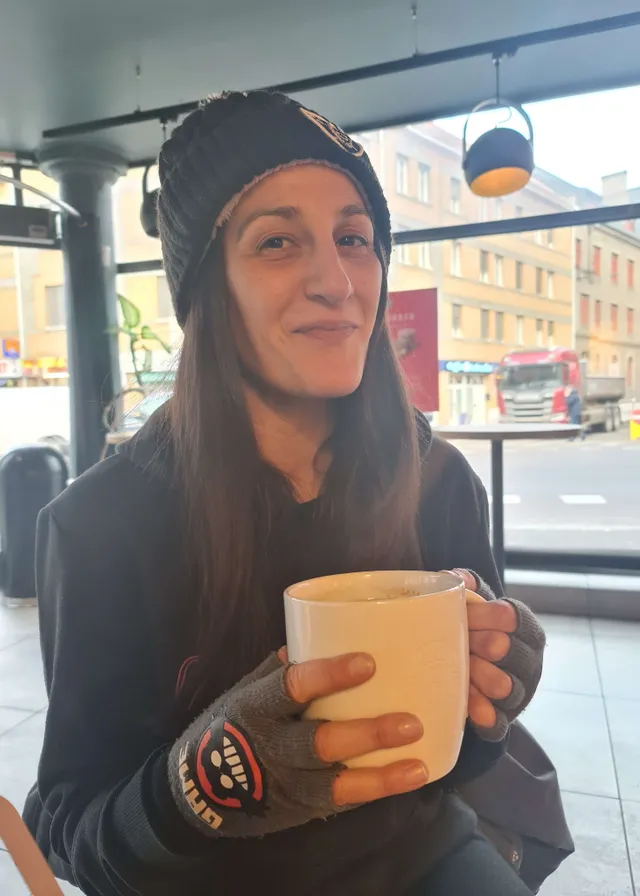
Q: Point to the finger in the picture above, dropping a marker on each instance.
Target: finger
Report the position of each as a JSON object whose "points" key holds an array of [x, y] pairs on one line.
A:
{"points": [[364, 785], [489, 680], [283, 656], [470, 581], [319, 678], [492, 615], [481, 710], [473, 598], [339, 741], [492, 646]]}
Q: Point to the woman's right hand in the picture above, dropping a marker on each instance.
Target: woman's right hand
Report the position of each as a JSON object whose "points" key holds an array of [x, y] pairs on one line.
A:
{"points": [[250, 765]]}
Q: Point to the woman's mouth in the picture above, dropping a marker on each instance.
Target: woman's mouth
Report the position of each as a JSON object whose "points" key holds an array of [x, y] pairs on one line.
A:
{"points": [[329, 331]]}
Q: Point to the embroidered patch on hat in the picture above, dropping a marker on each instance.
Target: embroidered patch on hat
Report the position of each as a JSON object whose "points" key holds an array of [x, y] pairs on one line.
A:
{"points": [[334, 133], [228, 770]]}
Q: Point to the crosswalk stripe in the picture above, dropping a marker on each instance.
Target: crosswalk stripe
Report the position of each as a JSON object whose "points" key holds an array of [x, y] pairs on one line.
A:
{"points": [[583, 499]]}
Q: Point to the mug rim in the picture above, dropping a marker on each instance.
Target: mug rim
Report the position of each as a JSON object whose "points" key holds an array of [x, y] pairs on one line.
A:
{"points": [[456, 583]]}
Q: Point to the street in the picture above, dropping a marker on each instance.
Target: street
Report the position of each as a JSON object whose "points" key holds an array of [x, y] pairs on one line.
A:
{"points": [[568, 496]]}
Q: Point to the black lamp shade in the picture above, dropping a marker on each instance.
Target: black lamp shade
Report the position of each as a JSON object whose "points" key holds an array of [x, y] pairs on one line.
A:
{"points": [[498, 163]]}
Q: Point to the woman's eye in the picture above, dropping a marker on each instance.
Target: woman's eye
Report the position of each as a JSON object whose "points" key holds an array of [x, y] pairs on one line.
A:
{"points": [[353, 240], [273, 243]]}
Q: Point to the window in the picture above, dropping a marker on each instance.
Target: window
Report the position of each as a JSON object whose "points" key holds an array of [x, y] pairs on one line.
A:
{"points": [[403, 254], [456, 262], [519, 211], [499, 270], [456, 320], [550, 239], [551, 332], [597, 314], [424, 183], [539, 281], [499, 209], [614, 367], [165, 306], [484, 323], [520, 329], [631, 273], [584, 311], [402, 175], [630, 322], [579, 255], [537, 236], [424, 256], [630, 372], [54, 307], [519, 274], [614, 318], [484, 266], [499, 326], [550, 285], [484, 214], [614, 267], [539, 332], [454, 195], [597, 260]]}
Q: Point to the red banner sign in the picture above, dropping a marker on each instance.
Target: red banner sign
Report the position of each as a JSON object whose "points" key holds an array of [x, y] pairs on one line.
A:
{"points": [[413, 324]]}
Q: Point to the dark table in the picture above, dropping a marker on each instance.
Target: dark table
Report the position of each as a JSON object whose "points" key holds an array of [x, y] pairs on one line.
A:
{"points": [[497, 434]]}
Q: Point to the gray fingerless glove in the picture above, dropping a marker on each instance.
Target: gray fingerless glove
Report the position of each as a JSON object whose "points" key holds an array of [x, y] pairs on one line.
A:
{"points": [[523, 663], [247, 766]]}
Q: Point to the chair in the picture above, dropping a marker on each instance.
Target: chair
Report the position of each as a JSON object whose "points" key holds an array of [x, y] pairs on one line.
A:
{"points": [[23, 850]]}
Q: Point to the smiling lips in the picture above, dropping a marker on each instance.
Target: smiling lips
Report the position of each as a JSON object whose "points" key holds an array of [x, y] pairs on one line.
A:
{"points": [[330, 331]]}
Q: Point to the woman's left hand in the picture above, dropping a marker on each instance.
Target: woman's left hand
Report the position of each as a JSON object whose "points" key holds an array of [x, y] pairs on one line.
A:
{"points": [[506, 646]]}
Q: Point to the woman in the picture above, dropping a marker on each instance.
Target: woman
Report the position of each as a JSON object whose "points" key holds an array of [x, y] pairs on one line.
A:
{"points": [[288, 451]]}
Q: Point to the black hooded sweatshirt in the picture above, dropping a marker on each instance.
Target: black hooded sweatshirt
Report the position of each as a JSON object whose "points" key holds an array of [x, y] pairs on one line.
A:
{"points": [[119, 640]]}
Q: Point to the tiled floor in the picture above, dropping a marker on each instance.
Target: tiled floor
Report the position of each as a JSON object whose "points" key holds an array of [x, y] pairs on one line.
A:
{"points": [[586, 715]]}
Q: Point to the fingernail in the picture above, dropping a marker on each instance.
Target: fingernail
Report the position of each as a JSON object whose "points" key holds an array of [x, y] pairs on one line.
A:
{"points": [[410, 728], [361, 666], [416, 775]]}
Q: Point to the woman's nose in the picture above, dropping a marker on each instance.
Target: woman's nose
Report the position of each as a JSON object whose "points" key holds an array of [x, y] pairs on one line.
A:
{"points": [[327, 280]]}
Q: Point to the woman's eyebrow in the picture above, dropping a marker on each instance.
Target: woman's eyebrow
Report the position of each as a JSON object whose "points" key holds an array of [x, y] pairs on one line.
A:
{"points": [[284, 211]]}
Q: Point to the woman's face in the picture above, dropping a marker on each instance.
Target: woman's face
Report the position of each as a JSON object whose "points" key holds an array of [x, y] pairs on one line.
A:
{"points": [[305, 281]]}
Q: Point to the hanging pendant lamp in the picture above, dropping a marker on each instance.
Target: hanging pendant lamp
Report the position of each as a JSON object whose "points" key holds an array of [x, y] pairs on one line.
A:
{"points": [[500, 161], [149, 207]]}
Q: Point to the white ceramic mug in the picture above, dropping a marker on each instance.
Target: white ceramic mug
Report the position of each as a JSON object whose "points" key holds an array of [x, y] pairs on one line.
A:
{"points": [[414, 624]]}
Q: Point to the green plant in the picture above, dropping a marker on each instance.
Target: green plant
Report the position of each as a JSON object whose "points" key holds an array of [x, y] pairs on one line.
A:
{"points": [[139, 335]]}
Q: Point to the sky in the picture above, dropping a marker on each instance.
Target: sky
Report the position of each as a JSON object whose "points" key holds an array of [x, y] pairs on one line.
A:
{"points": [[580, 138]]}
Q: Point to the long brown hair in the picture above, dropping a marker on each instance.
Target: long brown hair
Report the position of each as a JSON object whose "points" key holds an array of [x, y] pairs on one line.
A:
{"points": [[232, 498]]}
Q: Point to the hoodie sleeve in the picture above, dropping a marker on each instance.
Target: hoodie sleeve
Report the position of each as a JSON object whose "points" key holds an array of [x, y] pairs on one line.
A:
{"points": [[101, 814]]}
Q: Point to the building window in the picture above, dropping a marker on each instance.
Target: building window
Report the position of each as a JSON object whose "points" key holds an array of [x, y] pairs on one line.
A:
{"points": [[551, 332], [165, 306], [584, 311], [424, 183], [484, 266], [630, 372], [550, 285], [424, 256], [402, 175], [614, 368], [597, 314], [614, 267], [499, 270], [519, 274], [499, 326], [597, 260], [539, 281], [499, 209], [550, 239], [456, 320], [631, 273], [614, 318], [456, 261], [579, 255], [520, 329], [454, 195], [539, 332], [537, 236], [630, 321], [402, 254], [484, 323], [519, 211], [55, 316], [484, 203]]}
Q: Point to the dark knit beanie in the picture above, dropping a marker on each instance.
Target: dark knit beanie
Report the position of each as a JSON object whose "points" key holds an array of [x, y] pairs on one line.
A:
{"points": [[221, 149]]}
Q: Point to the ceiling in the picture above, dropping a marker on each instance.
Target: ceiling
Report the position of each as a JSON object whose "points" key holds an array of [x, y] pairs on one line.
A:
{"points": [[69, 61]]}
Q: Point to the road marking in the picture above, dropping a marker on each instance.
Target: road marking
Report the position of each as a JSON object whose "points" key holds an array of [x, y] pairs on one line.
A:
{"points": [[508, 499], [583, 499]]}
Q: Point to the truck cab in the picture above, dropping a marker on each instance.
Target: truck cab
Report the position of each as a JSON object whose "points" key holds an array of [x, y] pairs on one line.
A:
{"points": [[531, 385]]}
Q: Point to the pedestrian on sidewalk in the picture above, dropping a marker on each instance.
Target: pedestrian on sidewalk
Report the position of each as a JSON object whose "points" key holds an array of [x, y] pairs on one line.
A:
{"points": [[574, 407]]}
